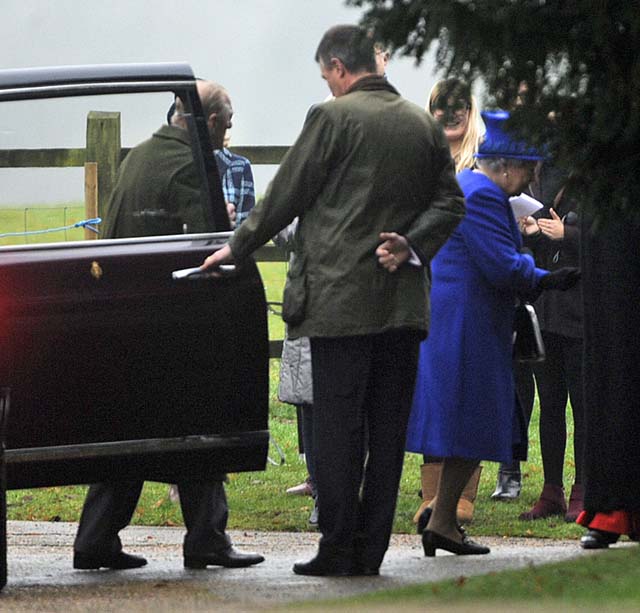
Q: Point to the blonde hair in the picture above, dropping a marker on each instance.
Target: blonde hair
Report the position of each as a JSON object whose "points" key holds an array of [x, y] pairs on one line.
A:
{"points": [[464, 158]]}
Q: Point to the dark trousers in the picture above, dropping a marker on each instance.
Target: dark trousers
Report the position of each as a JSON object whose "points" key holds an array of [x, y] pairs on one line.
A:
{"points": [[559, 376], [109, 507], [305, 412], [362, 387]]}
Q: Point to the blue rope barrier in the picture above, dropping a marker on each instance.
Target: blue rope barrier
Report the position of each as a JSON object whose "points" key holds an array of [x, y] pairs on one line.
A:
{"points": [[89, 224]]}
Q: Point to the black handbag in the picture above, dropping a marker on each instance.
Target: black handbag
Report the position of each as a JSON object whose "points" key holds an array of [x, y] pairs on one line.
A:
{"points": [[528, 345]]}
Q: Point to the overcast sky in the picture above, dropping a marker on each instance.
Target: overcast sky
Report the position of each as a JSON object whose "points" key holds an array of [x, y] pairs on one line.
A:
{"points": [[262, 51]]}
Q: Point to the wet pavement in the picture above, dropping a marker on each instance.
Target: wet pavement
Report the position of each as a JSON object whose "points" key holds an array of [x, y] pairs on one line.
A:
{"points": [[41, 577]]}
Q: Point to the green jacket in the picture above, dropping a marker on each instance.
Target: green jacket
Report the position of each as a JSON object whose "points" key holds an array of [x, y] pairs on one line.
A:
{"points": [[364, 163], [158, 190]]}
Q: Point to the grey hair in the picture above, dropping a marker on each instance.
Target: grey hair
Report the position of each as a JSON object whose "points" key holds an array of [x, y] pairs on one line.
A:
{"points": [[213, 97], [491, 164], [498, 164]]}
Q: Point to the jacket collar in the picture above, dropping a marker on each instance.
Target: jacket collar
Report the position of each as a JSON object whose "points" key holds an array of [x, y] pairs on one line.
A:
{"points": [[173, 133], [372, 83]]}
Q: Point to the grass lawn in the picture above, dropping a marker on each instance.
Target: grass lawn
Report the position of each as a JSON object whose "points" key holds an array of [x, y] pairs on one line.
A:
{"points": [[605, 581]]}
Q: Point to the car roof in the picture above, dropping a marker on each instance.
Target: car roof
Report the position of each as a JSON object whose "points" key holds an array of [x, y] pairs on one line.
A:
{"points": [[16, 78]]}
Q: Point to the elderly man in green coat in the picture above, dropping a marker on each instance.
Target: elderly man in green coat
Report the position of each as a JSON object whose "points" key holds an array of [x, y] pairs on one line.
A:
{"points": [[159, 188], [369, 171], [158, 191]]}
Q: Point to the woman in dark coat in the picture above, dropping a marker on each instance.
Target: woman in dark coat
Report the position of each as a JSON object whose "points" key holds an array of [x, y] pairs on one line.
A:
{"points": [[464, 404], [611, 265], [554, 237]]}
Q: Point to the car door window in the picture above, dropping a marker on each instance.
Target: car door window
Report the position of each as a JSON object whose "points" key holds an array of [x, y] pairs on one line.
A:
{"points": [[47, 194]]}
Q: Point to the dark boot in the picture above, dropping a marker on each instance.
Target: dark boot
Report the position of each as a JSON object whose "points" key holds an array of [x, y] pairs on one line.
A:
{"points": [[576, 503], [551, 502], [509, 483]]}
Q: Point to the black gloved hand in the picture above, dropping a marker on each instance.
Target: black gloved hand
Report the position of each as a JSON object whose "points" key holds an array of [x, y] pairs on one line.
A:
{"points": [[562, 279]]}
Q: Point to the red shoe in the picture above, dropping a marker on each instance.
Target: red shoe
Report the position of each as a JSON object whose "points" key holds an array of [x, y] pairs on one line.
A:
{"points": [[551, 502], [576, 503]]}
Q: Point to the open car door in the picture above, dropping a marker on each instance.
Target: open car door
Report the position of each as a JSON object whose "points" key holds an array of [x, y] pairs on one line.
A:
{"points": [[109, 367]]}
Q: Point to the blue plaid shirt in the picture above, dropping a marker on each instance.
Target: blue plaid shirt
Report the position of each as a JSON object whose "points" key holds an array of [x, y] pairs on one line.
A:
{"points": [[237, 182]]}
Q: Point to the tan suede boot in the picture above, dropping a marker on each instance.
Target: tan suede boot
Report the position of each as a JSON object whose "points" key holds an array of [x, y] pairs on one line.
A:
{"points": [[468, 497], [430, 475]]}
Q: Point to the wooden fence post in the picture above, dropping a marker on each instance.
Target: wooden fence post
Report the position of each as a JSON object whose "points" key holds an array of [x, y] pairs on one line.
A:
{"points": [[90, 196], [103, 147]]}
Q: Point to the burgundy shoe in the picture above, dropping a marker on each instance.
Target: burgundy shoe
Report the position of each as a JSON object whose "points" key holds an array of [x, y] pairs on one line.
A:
{"points": [[551, 502], [576, 503]]}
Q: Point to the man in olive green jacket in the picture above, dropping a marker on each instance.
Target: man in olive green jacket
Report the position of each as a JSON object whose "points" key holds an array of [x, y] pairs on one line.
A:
{"points": [[368, 172]]}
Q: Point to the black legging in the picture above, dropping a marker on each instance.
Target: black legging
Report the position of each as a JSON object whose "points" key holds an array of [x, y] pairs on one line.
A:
{"points": [[560, 374], [525, 388]]}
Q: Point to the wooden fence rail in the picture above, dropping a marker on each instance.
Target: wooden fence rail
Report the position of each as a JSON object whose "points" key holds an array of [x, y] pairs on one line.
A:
{"points": [[103, 146], [101, 158]]}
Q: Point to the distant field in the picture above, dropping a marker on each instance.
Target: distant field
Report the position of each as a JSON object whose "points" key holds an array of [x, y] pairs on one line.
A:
{"points": [[32, 218]]}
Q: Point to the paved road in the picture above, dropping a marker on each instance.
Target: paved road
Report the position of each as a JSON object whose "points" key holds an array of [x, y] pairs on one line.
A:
{"points": [[41, 577]]}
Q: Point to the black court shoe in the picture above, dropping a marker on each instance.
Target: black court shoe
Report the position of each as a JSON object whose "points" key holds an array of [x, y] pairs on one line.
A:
{"points": [[423, 520], [432, 541]]}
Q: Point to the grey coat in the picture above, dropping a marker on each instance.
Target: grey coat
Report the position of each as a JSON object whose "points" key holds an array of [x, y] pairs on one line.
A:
{"points": [[296, 382]]}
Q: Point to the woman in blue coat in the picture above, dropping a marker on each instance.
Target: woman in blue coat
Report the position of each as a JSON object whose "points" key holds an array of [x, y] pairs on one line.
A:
{"points": [[465, 404]]}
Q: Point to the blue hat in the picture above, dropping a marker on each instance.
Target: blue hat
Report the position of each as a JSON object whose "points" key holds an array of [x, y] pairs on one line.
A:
{"points": [[499, 144]]}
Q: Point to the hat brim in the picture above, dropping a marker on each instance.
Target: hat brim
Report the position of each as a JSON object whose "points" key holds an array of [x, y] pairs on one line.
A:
{"points": [[512, 156]]}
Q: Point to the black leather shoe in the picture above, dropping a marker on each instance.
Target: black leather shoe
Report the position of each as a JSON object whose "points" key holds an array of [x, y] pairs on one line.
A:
{"points": [[365, 571], [508, 485], [325, 566], [115, 561], [598, 539], [229, 558], [432, 541]]}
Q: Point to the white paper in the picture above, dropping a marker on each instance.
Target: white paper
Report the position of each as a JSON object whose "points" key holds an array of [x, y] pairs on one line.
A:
{"points": [[524, 205]]}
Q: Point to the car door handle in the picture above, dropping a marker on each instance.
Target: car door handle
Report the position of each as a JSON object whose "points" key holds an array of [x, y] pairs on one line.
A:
{"points": [[192, 274]]}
